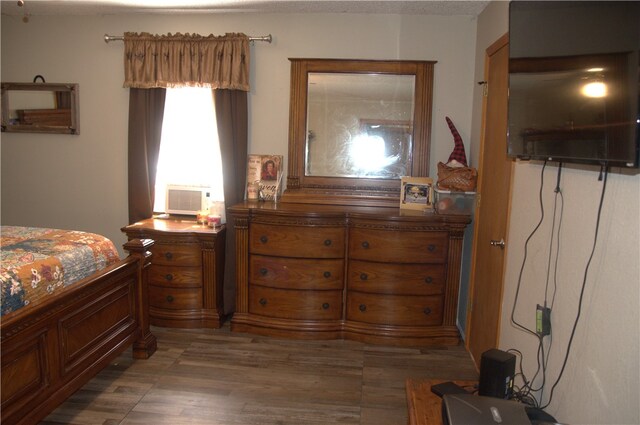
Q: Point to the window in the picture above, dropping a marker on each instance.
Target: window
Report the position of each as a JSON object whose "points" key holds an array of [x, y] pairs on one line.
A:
{"points": [[189, 147]]}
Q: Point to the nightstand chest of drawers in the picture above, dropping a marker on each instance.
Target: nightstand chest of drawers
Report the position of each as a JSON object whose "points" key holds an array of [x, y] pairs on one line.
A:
{"points": [[373, 274], [186, 272]]}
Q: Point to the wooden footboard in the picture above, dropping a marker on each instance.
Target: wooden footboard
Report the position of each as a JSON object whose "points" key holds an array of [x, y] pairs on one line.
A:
{"points": [[50, 351]]}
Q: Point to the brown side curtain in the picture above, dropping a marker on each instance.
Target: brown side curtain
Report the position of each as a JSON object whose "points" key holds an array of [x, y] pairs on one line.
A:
{"points": [[179, 60], [146, 110], [232, 117]]}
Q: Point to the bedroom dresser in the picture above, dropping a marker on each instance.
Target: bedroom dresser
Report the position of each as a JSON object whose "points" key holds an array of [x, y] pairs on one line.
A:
{"points": [[186, 273], [372, 274]]}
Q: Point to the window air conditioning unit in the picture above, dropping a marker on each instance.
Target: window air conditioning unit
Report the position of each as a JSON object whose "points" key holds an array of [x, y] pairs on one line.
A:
{"points": [[186, 200]]}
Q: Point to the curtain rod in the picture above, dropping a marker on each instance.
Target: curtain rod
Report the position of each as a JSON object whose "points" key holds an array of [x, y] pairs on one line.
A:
{"points": [[108, 38]]}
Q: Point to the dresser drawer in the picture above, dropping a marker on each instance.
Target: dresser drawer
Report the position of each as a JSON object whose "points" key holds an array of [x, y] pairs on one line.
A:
{"points": [[296, 273], [297, 241], [399, 279], [175, 276], [292, 304], [398, 310], [175, 298], [174, 254], [398, 247]]}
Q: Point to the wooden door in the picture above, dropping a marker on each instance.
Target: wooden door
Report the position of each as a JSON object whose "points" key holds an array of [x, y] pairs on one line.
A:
{"points": [[492, 210]]}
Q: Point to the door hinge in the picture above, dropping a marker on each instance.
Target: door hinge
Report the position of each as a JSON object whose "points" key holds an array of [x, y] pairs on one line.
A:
{"points": [[485, 87]]}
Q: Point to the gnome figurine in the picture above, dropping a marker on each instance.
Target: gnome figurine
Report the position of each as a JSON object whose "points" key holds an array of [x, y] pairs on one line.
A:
{"points": [[456, 175], [457, 157]]}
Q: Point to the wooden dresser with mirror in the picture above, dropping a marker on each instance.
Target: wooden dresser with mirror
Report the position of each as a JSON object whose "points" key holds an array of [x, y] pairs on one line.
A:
{"points": [[336, 257]]}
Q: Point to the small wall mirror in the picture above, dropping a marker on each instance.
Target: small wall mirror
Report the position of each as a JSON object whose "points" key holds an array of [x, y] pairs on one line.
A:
{"points": [[355, 128], [40, 108]]}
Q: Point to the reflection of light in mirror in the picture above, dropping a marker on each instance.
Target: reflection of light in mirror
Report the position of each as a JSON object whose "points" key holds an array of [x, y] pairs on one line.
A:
{"points": [[368, 153], [594, 89]]}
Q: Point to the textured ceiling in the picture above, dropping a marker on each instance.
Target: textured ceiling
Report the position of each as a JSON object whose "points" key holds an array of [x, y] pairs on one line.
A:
{"points": [[114, 7]]}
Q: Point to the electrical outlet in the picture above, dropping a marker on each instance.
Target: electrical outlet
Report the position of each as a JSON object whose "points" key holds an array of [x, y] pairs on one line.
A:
{"points": [[543, 320]]}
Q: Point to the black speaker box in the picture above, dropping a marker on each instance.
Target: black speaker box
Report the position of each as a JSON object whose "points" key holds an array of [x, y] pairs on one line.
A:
{"points": [[497, 369]]}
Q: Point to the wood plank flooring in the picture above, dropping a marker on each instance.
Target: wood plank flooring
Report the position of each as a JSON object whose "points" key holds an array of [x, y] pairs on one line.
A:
{"points": [[211, 377]]}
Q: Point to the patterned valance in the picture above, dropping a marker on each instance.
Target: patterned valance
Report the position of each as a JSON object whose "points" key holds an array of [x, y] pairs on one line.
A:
{"points": [[220, 62]]}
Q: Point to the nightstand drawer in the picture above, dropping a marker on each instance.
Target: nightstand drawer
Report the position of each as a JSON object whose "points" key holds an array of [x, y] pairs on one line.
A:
{"points": [[175, 254], [292, 304], [399, 279], [297, 241], [398, 247], [296, 273], [175, 276], [399, 310], [175, 298]]}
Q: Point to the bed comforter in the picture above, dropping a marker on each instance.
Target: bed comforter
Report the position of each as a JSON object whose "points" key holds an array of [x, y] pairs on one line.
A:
{"points": [[37, 263]]}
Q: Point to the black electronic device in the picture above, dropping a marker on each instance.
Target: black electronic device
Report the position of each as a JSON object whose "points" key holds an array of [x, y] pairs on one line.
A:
{"points": [[573, 81], [447, 388], [497, 369]]}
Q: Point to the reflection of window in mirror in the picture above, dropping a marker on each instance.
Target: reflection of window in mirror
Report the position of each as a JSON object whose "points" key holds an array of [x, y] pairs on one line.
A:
{"points": [[361, 125]]}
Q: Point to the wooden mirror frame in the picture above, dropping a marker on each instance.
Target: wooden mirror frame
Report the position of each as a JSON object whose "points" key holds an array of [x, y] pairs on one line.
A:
{"points": [[346, 190], [46, 126]]}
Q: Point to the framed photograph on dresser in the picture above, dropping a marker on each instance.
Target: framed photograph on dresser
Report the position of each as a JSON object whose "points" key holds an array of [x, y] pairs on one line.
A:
{"points": [[416, 193]]}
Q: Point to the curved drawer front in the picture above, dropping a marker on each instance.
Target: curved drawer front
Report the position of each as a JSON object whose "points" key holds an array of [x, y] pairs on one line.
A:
{"points": [[297, 241], [175, 298], [175, 276], [398, 246], [181, 255], [398, 310], [298, 273], [406, 279], [292, 304]]}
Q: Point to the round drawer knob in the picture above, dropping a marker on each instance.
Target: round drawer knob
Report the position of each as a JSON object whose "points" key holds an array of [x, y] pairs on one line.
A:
{"points": [[327, 242], [168, 255], [427, 310], [431, 247], [263, 301], [263, 271], [362, 308], [365, 244], [327, 274], [363, 276], [428, 279], [170, 298], [264, 239], [325, 306], [168, 276]]}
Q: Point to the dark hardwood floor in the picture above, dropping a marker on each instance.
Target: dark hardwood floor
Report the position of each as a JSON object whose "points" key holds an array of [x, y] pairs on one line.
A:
{"points": [[219, 377]]}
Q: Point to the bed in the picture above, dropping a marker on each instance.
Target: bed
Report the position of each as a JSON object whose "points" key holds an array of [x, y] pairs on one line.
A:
{"points": [[70, 306]]}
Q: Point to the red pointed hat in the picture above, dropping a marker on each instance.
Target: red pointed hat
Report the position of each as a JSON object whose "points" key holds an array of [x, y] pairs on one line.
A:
{"points": [[458, 151]]}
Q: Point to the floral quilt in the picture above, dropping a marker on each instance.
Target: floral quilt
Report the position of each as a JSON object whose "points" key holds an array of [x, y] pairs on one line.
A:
{"points": [[38, 263]]}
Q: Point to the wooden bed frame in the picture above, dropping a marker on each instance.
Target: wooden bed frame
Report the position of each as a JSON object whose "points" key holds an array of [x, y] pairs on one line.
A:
{"points": [[51, 350]]}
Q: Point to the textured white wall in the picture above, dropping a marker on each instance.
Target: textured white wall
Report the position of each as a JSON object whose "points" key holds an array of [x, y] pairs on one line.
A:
{"points": [[601, 381], [81, 181]]}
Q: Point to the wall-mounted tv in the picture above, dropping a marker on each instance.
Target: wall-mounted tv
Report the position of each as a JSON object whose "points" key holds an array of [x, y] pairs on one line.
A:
{"points": [[573, 81]]}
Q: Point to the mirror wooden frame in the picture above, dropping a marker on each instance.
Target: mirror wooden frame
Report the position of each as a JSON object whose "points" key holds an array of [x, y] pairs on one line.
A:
{"points": [[72, 89], [346, 190]]}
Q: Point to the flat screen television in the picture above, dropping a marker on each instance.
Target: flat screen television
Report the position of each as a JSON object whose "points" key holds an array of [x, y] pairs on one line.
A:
{"points": [[573, 81]]}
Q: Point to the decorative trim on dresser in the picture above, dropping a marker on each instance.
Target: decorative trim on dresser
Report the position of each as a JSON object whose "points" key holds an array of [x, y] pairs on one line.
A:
{"points": [[372, 274], [186, 273]]}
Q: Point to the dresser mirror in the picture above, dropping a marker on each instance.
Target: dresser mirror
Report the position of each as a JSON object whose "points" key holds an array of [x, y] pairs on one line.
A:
{"points": [[355, 128], [40, 108]]}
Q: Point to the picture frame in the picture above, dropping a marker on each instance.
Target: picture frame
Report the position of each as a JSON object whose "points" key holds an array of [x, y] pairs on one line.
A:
{"points": [[416, 193], [264, 177]]}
